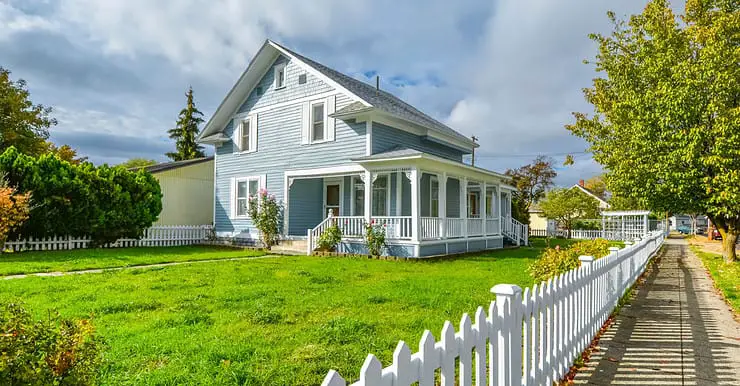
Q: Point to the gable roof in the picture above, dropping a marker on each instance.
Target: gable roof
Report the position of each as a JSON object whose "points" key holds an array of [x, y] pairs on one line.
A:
{"points": [[366, 97], [164, 166], [592, 194]]}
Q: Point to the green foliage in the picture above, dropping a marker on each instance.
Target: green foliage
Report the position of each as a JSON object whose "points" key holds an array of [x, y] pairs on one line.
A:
{"points": [[374, 238], [225, 323], [22, 124], [54, 351], [592, 225], [555, 261], [105, 203], [137, 163], [266, 214], [186, 131], [518, 209], [567, 205], [666, 110], [726, 277], [329, 239], [597, 186], [532, 181]]}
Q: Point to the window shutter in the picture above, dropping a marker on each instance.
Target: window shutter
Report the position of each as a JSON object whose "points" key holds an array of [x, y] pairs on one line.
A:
{"points": [[263, 181], [235, 134], [253, 134], [331, 107], [305, 123], [232, 198]]}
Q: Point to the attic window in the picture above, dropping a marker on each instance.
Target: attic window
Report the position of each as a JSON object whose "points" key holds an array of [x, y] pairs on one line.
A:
{"points": [[279, 76], [302, 79], [258, 90]]}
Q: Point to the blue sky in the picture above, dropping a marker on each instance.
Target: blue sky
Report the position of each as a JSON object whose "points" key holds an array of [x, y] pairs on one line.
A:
{"points": [[509, 72]]}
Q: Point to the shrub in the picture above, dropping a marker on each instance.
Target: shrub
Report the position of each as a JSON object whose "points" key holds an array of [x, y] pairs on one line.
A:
{"points": [[330, 238], [105, 203], [554, 261], [55, 351], [14, 209], [374, 238], [266, 215]]}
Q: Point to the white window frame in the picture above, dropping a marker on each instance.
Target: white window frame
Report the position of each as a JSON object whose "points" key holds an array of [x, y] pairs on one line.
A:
{"points": [[235, 198], [278, 69], [354, 210], [432, 180], [252, 133], [387, 194], [311, 122], [334, 181]]}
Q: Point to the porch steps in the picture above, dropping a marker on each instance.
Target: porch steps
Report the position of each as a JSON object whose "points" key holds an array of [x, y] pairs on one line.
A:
{"points": [[291, 247]]}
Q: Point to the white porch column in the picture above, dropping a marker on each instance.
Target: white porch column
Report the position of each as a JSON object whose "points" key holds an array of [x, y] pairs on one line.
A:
{"points": [[464, 205], [415, 185], [500, 208], [368, 195], [442, 207], [483, 195]]}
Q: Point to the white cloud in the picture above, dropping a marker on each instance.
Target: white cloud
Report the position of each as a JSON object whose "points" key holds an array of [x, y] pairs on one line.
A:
{"points": [[14, 21]]}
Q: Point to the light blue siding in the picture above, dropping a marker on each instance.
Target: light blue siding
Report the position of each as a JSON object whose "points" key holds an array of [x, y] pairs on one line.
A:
{"points": [[306, 205], [347, 199], [453, 197], [280, 149], [432, 250], [386, 138], [292, 89], [358, 248], [405, 196], [425, 197], [495, 243], [476, 245], [457, 247]]}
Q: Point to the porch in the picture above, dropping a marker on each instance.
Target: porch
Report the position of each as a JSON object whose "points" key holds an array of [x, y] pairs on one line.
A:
{"points": [[426, 205]]}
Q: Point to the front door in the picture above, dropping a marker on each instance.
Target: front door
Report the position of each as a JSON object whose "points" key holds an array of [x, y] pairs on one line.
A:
{"points": [[332, 197]]}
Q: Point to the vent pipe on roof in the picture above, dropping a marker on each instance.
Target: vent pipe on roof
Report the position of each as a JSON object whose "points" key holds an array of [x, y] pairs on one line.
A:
{"points": [[377, 84]]}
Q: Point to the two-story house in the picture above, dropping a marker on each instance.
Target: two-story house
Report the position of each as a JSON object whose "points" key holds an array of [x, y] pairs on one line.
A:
{"points": [[327, 144]]}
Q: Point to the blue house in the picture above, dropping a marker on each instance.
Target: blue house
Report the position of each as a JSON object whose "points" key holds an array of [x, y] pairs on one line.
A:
{"points": [[334, 149]]}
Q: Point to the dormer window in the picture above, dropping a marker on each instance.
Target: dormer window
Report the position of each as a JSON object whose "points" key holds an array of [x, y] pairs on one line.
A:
{"points": [[279, 76]]}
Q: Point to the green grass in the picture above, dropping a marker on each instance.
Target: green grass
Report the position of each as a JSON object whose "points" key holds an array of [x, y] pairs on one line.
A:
{"points": [[277, 321], [726, 276], [79, 259]]}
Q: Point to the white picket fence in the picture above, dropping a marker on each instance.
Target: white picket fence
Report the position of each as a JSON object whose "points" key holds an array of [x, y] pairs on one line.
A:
{"points": [[529, 338], [156, 236]]}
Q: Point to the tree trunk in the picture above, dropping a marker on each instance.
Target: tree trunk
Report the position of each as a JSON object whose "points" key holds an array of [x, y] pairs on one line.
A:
{"points": [[729, 239]]}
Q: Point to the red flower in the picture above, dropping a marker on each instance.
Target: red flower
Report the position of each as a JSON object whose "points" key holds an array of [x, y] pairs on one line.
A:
{"points": [[372, 221]]}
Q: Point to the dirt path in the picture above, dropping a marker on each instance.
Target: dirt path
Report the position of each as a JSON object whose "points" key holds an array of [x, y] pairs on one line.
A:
{"points": [[86, 271], [676, 331]]}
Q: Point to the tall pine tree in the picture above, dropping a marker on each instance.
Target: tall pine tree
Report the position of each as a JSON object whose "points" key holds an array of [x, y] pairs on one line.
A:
{"points": [[186, 131]]}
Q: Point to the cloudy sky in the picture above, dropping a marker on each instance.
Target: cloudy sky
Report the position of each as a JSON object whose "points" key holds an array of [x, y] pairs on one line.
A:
{"points": [[115, 71]]}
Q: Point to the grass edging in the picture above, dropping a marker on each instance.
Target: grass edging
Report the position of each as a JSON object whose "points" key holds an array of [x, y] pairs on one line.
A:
{"points": [[722, 282], [585, 356]]}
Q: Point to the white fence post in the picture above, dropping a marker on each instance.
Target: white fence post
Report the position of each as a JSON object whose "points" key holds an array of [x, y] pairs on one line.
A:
{"points": [[509, 339]]}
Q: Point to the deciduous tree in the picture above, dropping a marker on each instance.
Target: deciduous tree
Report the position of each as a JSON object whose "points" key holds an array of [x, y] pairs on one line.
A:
{"points": [[667, 111], [138, 163], [22, 124], [187, 131], [14, 209], [567, 205], [531, 181]]}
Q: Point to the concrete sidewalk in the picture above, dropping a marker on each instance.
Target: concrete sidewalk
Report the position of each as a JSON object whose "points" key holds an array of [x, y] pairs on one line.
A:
{"points": [[676, 331]]}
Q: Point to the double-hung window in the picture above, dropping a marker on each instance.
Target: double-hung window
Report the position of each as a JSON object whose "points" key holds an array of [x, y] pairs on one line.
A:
{"points": [[246, 189], [318, 122], [244, 135]]}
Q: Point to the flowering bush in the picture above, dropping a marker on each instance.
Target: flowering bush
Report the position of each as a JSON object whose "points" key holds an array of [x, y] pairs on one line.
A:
{"points": [[330, 238], [266, 214], [554, 261], [14, 209], [55, 351], [374, 238]]}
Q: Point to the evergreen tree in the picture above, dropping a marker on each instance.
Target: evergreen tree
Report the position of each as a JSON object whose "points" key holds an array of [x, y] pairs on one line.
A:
{"points": [[186, 132]]}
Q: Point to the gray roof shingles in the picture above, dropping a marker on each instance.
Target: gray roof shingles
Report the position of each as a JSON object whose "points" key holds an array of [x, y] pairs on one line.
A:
{"points": [[380, 99]]}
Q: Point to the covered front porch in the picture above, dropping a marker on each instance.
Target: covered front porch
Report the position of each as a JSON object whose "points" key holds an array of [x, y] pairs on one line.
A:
{"points": [[427, 205]]}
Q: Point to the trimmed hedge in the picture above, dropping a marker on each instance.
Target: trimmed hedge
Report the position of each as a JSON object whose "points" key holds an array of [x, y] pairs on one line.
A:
{"points": [[554, 261], [105, 203]]}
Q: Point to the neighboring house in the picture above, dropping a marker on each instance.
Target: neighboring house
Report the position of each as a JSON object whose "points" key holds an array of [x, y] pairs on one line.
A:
{"points": [[683, 221], [537, 219], [186, 185], [323, 142]]}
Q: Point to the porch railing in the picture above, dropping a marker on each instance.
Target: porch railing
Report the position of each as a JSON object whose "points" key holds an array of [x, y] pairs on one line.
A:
{"points": [[455, 227], [431, 228], [395, 227], [493, 226], [475, 227], [351, 226]]}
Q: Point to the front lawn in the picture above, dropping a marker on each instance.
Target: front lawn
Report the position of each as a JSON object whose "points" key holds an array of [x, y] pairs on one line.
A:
{"points": [[276, 320], [726, 276], [79, 259]]}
